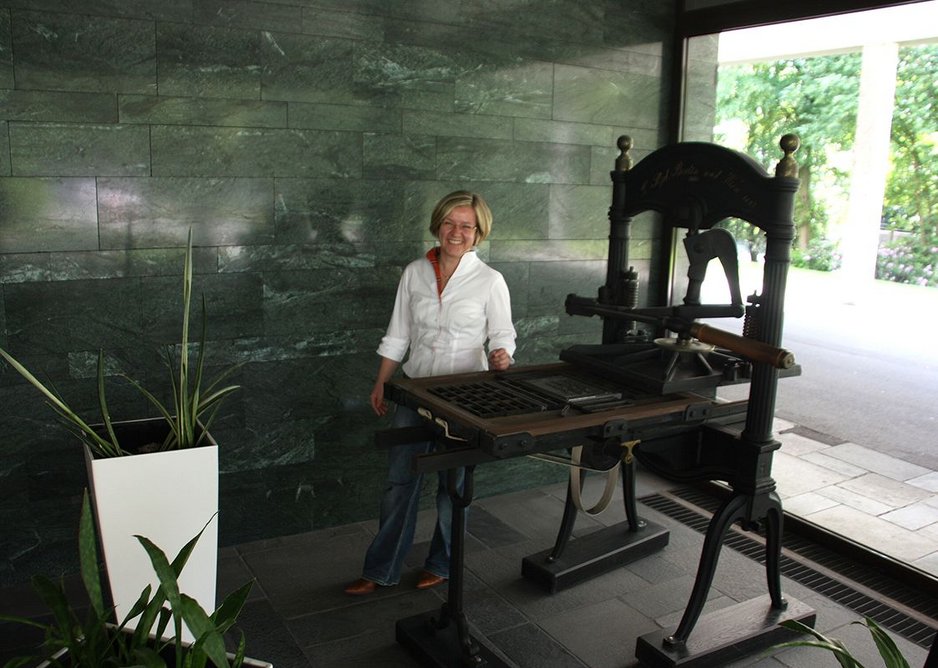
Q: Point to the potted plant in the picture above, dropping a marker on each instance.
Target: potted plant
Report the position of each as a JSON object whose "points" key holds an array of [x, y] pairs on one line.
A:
{"points": [[100, 640], [155, 477], [892, 656]]}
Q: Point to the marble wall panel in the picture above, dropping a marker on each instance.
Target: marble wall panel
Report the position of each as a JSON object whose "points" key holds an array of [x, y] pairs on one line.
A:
{"points": [[5, 167], [162, 110], [516, 276], [457, 125], [624, 59], [309, 388], [523, 162], [343, 212], [579, 212], [305, 143], [47, 214], [399, 156], [509, 89], [32, 105], [25, 268], [285, 16], [6, 49], [233, 306], [167, 10], [551, 282], [640, 25], [342, 23], [61, 149], [510, 20], [340, 300], [69, 52], [94, 264], [550, 250], [612, 98], [432, 67], [63, 316], [307, 68], [253, 152], [532, 129], [208, 61], [424, 10], [154, 212], [344, 117]]}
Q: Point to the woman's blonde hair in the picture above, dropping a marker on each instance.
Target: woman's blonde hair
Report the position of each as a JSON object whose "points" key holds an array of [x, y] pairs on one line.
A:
{"points": [[463, 198]]}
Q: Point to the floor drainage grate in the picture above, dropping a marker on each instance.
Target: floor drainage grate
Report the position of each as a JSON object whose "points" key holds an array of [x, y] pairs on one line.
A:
{"points": [[894, 607]]}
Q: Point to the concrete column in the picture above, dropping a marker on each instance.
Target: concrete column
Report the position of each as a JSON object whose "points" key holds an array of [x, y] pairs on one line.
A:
{"points": [[870, 166]]}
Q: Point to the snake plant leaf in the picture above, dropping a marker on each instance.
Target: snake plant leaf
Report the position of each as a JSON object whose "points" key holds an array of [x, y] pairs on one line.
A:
{"points": [[88, 557], [208, 639], [97, 444], [836, 647], [892, 657], [147, 657]]}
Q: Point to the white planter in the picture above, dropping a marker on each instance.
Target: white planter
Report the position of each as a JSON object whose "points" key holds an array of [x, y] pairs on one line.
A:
{"points": [[167, 497]]}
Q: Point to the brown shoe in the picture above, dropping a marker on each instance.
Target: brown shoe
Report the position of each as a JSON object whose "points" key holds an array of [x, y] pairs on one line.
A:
{"points": [[428, 580], [361, 587]]}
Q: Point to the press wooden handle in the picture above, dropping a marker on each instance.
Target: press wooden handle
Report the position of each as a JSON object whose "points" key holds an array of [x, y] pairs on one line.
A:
{"points": [[757, 351]]}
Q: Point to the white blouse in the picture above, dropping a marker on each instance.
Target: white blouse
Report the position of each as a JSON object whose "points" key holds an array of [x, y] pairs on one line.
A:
{"points": [[447, 333]]}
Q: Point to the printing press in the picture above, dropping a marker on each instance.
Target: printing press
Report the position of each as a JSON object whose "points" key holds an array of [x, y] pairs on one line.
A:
{"points": [[647, 392]]}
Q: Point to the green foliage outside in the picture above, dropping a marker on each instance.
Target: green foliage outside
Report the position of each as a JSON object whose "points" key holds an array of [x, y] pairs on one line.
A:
{"points": [[816, 98]]}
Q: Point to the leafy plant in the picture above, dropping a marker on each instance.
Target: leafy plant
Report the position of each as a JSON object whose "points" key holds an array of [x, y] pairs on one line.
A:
{"points": [[98, 641], [887, 647], [191, 400], [821, 255]]}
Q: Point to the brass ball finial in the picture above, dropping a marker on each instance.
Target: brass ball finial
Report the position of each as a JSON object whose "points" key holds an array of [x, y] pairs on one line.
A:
{"points": [[624, 161], [787, 166]]}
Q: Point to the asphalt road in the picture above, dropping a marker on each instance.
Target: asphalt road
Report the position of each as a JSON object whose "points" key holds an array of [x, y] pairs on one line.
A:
{"points": [[869, 358]]}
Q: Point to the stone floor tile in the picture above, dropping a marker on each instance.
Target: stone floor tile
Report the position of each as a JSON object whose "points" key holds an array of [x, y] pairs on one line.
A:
{"points": [[875, 461], [822, 458], [874, 532], [807, 503], [928, 563], [797, 446], [795, 476], [856, 501], [914, 516], [886, 490], [928, 482]]}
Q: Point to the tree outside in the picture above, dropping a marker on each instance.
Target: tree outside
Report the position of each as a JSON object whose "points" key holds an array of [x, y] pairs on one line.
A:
{"points": [[817, 98]]}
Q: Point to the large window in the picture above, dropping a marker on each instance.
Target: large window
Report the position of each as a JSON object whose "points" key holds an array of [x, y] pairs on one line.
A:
{"points": [[859, 453]]}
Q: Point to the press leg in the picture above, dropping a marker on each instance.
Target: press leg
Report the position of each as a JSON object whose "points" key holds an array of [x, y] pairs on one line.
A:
{"points": [[732, 510], [566, 522]]}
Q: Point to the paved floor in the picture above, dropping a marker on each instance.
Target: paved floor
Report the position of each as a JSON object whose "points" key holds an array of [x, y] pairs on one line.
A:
{"points": [[882, 502], [299, 617]]}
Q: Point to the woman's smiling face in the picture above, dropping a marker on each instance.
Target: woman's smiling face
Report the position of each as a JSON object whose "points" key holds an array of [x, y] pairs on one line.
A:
{"points": [[458, 232]]}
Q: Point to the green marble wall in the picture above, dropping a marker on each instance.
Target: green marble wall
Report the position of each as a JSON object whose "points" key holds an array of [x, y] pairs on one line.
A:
{"points": [[304, 145]]}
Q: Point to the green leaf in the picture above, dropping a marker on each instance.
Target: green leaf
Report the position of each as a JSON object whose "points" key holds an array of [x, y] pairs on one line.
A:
{"points": [[97, 444], [208, 639], [148, 658], [88, 557], [887, 647], [226, 614]]}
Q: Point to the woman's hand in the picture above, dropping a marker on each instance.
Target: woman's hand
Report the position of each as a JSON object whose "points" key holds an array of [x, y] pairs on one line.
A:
{"points": [[499, 359], [378, 404]]}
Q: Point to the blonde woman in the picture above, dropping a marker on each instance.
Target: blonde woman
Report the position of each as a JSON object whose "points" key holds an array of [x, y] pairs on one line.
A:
{"points": [[450, 308]]}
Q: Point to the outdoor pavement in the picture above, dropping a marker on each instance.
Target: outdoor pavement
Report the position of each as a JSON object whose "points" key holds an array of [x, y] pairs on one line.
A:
{"points": [[882, 502]]}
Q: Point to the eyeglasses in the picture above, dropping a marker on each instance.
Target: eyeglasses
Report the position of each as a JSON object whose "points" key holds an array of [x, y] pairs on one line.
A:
{"points": [[462, 227]]}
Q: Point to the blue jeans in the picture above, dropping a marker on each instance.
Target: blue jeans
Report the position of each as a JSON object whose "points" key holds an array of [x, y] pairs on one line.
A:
{"points": [[398, 518]]}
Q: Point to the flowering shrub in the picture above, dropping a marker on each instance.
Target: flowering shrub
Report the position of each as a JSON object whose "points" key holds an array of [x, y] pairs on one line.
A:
{"points": [[908, 260], [821, 255]]}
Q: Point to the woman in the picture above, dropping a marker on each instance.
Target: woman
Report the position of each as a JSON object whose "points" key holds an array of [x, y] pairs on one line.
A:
{"points": [[448, 305]]}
